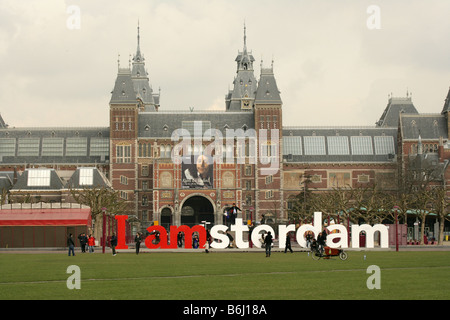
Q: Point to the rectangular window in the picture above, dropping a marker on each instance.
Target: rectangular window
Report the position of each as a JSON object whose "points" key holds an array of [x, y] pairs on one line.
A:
{"points": [[315, 145], [52, 147], [361, 145], [76, 147], [292, 145], [123, 180], [338, 145], [86, 176], [99, 147], [38, 177], [7, 147], [123, 154], [384, 145], [145, 171], [269, 194], [28, 147]]}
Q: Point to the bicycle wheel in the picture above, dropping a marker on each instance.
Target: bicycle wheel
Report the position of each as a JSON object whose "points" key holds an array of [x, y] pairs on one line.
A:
{"points": [[315, 255], [343, 255]]}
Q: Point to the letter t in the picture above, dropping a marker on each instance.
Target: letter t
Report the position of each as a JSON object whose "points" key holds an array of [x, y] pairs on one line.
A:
{"points": [[239, 228]]}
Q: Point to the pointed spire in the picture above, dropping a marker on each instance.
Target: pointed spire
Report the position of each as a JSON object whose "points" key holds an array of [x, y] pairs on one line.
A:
{"points": [[245, 38], [138, 56]]}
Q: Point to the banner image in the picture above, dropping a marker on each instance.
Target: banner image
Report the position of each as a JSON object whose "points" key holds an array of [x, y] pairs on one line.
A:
{"points": [[197, 172]]}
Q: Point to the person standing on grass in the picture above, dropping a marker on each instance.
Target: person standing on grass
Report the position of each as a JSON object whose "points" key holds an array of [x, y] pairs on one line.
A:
{"points": [[71, 244], [91, 243], [113, 243], [138, 240], [268, 243]]}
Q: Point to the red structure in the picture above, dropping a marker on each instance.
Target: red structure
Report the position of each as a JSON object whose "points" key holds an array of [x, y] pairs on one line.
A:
{"points": [[37, 228]]}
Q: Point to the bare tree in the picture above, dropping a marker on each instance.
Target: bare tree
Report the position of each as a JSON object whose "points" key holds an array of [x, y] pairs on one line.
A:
{"points": [[98, 198]]}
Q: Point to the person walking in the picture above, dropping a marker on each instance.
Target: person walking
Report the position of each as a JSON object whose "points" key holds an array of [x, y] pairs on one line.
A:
{"points": [[268, 243], [71, 244], [113, 243], [288, 243], [138, 240], [180, 239]]}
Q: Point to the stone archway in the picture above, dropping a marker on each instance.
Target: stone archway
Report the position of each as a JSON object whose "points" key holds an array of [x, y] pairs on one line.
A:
{"points": [[196, 209], [166, 217]]}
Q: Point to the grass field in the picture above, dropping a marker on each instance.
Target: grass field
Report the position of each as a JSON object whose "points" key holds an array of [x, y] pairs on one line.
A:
{"points": [[225, 276]]}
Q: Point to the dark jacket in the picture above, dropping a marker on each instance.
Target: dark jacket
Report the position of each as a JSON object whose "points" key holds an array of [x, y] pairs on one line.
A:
{"points": [[70, 241], [114, 241], [268, 240]]}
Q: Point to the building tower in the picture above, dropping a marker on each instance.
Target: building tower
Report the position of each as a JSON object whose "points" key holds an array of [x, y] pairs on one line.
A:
{"points": [[268, 122], [242, 96]]}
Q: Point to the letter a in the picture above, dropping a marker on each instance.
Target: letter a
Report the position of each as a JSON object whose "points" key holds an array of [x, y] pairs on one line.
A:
{"points": [[73, 282], [74, 20], [374, 21], [374, 281]]}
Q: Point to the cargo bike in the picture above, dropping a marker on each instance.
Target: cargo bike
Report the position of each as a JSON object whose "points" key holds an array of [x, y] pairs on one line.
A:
{"points": [[327, 253]]}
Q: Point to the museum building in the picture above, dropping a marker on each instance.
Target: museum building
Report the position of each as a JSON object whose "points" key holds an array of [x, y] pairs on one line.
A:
{"points": [[187, 167]]}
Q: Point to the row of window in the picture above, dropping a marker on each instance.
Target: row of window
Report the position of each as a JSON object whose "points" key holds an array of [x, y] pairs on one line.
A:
{"points": [[54, 147], [338, 145]]}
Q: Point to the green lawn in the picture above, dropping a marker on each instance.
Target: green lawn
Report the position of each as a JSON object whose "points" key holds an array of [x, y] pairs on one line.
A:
{"points": [[225, 276]]}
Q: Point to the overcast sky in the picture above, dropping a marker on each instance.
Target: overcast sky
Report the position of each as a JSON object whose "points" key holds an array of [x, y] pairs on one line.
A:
{"points": [[332, 68]]}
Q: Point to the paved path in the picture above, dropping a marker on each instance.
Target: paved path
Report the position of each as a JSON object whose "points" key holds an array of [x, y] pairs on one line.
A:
{"points": [[295, 248]]}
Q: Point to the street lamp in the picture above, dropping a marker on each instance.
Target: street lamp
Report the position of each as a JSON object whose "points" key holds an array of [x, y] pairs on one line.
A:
{"points": [[104, 230], [396, 227]]}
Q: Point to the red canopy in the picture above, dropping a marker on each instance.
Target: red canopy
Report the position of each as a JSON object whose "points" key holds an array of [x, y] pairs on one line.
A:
{"points": [[45, 217]]}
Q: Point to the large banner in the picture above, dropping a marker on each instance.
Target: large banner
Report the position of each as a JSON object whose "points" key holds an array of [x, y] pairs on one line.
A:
{"points": [[197, 172]]}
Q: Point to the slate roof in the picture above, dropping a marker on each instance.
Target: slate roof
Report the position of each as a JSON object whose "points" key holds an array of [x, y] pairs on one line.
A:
{"points": [[267, 92], [429, 126], [395, 106], [162, 124], [54, 181], [98, 179]]}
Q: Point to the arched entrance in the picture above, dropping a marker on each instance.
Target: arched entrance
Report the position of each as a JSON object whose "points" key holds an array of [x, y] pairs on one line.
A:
{"points": [[166, 218], [195, 210]]}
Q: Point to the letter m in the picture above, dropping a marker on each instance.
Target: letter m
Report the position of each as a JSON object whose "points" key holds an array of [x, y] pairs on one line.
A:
{"points": [[188, 235], [370, 235]]}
